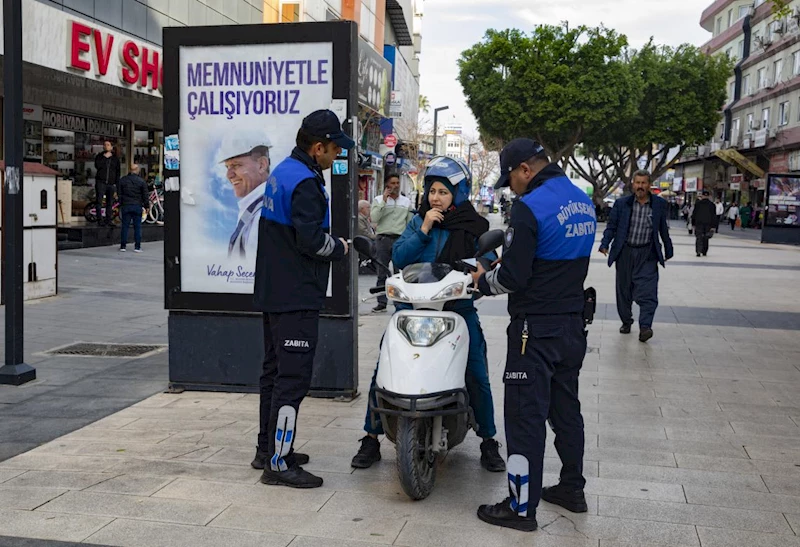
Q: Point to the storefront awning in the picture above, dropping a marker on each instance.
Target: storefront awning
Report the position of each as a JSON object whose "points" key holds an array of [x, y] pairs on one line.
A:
{"points": [[733, 157], [398, 20]]}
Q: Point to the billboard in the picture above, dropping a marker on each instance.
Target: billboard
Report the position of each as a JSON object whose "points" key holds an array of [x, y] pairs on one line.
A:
{"points": [[783, 200]]}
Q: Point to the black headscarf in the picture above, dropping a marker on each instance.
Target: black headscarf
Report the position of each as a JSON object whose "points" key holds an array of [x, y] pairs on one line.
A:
{"points": [[464, 224]]}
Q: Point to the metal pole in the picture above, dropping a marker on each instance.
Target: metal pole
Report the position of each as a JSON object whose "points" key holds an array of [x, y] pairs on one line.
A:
{"points": [[15, 372], [469, 156], [436, 126]]}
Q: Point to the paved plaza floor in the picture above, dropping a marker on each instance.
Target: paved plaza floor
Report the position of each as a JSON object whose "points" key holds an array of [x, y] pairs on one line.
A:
{"points": [[692, 439]]}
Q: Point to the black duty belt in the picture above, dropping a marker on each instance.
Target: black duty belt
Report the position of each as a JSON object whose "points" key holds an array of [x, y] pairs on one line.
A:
{"points": [[638, 246]]}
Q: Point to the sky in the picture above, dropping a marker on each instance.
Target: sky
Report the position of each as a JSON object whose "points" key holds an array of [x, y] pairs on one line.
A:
{"points": [[451, 26]]}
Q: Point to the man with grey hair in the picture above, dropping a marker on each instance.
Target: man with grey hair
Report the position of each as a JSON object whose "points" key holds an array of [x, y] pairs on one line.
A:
{"points": [[632, 233], [247, 167], [364, 222]]}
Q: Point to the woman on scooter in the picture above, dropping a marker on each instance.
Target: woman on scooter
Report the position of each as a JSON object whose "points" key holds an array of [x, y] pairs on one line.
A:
{"points": [[446, 229]]}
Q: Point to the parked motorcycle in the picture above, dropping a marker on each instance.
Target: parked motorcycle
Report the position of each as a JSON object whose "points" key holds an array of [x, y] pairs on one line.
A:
{"points": [[421, 393]]}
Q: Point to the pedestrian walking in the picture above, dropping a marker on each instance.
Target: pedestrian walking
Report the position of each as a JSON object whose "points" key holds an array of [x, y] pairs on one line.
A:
{"points": [[106, 179], [391, 212], [545, 261], [733, 215], [291, 281], [719, 212], [745, 213], [445, 231], [632, 233], [133, 202], [704, 218]]}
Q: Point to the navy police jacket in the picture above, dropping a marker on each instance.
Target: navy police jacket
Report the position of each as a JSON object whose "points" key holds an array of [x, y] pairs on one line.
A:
{"points": [[547, 248], [294, 243], [619, 221]]}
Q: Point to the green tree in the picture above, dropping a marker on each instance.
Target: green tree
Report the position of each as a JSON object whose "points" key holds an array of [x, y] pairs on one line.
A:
{"points": [[682, 92], [555, 85], [424, 104]]}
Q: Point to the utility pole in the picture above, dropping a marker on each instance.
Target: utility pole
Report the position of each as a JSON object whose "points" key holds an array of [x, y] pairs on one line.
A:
{"points": [[15, 372], [436, 125]]}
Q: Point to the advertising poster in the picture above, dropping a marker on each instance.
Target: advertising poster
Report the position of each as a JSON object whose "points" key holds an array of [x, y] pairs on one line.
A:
{"points": [[783, 201], [241, 107]]}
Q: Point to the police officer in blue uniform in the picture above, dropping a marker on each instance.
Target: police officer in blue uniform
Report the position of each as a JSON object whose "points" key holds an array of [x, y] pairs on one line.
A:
{"points": [[292, 265], [544, 265]]}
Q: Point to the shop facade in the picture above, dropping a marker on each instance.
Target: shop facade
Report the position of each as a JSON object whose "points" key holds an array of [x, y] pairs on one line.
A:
{"points": [[84, 84]]}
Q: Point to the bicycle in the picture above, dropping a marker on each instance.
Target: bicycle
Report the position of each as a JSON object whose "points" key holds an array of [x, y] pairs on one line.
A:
{"points": [[90, 211], [155, 213]]}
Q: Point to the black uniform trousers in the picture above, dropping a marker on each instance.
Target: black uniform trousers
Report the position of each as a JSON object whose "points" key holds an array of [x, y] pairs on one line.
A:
{"points": [[383, 252], [637, 281], [702, 233], [541, 385], [290, 341], [105, 190]]}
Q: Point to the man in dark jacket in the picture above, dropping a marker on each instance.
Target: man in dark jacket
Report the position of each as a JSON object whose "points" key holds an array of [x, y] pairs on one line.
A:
{"points": [[704, 219], [295, 249], [133, 201], [634, 225], [106, 180]]}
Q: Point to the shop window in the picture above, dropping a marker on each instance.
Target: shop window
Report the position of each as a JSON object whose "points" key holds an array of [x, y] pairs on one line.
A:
{"points": [[148, 150], [43, 199]]}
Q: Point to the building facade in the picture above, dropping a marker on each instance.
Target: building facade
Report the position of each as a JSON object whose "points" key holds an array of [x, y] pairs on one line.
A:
{"points": [[760, 127]]}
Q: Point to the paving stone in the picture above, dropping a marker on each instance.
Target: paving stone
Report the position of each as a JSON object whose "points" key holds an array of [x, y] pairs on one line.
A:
{"points": [[719, 537], [8, 474], [720, 448], [783, 484], [241, 494], [774, 454], [136, 507], [161, 468], [275, 519], [27, 498], [70, 480], [131, 485], [638, 457], [480, 535], [683, 513], [737, 465], [132, 533], [762, 501], [669, 475], [41, 525], [306, 541], [58, 462], [744, 428]]}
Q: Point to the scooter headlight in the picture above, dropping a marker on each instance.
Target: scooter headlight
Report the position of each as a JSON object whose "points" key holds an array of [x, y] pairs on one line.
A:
{"points": [[451, 291], [396, 294], [425, 331]]}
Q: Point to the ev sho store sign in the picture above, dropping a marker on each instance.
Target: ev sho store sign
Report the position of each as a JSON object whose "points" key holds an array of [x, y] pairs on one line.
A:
{"points": [[234, 99]]}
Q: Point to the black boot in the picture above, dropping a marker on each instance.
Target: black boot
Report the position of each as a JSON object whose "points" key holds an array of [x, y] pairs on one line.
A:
{"points": [[294, 477], [369, 453], [571, 500], [502, 514], [261, 459], [625, 328], [490, 456]]}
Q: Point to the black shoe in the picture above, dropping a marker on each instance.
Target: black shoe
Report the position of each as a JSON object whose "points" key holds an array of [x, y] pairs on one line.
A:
{"points": [[369, 453], [501, 514], [705, 254], [379, 308], [294, 477], [260, 461], [625, 328], [698, 255], [491, 460], [571, 500], [645, 335]]}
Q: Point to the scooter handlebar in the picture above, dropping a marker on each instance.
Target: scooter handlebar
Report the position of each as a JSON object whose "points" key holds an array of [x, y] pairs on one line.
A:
{"points": [[377, 290]]}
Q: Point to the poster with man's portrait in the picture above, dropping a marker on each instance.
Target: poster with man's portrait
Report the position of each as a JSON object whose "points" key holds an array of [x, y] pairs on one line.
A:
{"points": [[241, 107]]}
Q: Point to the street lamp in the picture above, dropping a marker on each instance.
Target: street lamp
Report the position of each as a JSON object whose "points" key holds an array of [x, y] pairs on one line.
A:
{"points": [[469, 156], [436, 125]]}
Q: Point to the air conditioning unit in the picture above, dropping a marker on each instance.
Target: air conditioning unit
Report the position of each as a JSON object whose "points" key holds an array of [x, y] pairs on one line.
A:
{"points": [[715, 146], [763, 41], [768, 84], [771, 132], [778, 27], [748, 91], [702, 150]]}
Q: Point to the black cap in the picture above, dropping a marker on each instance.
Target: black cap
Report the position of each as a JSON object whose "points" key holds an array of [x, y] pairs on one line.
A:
{"points": [[706, 193], [515, 153], [324, 124]]}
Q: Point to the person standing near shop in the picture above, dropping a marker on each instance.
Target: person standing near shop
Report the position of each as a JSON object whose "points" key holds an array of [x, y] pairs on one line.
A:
{"points": [[545, 261], [719, 211], [106, 180], [634, 225], [733, 214], [133, 201], [291, 281], [391, 212], [704, 218]]}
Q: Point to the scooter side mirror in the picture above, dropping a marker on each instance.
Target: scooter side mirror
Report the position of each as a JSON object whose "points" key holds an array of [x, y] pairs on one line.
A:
{"points": [[490, 241], [364, 246]]}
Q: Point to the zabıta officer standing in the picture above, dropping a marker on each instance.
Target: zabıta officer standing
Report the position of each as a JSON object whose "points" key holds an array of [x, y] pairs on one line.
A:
{"points": [[294, 249], [632, 232]]}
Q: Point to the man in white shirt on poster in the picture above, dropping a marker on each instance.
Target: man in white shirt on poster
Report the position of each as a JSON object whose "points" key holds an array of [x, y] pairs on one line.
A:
{"points": [[246, 159]]}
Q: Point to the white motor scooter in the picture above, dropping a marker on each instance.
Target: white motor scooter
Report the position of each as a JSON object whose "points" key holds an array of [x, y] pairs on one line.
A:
{"points": [[420, 389]]}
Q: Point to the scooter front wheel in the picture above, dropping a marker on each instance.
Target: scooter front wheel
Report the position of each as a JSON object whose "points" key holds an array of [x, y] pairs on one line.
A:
{"points": [[416, 461]]}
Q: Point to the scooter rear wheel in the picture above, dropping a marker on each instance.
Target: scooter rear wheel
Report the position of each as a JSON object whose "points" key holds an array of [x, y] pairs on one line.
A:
{"points": [[416, 461]]}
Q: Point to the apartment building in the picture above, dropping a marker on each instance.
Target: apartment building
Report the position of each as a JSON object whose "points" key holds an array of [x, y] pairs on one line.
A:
{"points": [[760, 128]]}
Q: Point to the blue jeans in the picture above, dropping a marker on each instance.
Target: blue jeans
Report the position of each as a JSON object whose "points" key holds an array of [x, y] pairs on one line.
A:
{"points": [[477, 381], [131, 213]]}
